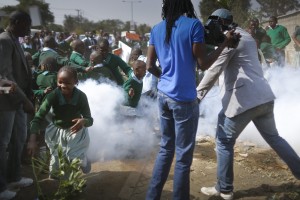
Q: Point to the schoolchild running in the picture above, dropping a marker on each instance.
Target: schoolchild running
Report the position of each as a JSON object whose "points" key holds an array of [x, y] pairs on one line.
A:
{"points": [[134, 84], [99, 70], [71, 117], [113, 62]]}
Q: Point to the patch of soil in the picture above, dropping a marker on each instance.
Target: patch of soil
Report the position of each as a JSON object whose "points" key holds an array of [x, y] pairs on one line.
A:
{"points": [[259, 175]]}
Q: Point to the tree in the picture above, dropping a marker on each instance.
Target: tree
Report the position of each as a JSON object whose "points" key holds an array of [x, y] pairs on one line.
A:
{"points": [[238, 8], [240, 11], [46, 15], [55, 27], [85, 25], [110, 25], [227, 4], [70, 23], [206, 7], [126, 26], [142, 29], [277, 7]]}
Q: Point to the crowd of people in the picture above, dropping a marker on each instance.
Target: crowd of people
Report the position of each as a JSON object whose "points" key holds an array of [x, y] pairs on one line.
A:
{"points": [[39, 96], [39, 74], [272, 41]]}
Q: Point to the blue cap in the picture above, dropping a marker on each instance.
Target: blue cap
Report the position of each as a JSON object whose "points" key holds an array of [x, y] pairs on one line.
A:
{"points": [[223, 13]]}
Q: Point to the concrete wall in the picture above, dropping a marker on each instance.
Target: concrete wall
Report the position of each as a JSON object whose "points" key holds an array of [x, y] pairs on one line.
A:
{"points": [[289, 21]]}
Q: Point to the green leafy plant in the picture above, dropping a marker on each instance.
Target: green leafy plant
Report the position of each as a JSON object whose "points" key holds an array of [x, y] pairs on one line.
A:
{"points": [[69, 176]]}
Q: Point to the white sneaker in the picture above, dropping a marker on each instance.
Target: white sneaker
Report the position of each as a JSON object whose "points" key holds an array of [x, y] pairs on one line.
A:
{"points": [[24, 182], [6, 195], [211, 191]]}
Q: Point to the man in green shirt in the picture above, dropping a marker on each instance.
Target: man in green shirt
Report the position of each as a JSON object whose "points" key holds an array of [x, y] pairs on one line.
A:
{"points": [[280, 38]]}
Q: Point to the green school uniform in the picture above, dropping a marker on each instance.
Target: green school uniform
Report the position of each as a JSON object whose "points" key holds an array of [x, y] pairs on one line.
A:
{"points": [[101, 71], [79, 59], [65, 47], [43, 80], [63, 112], [61, 61], [280, 37], [137, 85], [268, 50], [114, 62], [58, 132]]}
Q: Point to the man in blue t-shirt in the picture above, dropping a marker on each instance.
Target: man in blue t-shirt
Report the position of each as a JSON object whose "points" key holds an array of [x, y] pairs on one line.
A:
{"points": [[178, 44]]}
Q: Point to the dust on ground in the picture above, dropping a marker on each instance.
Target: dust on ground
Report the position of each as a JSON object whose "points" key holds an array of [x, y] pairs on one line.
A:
{"points": [[259, 175]]}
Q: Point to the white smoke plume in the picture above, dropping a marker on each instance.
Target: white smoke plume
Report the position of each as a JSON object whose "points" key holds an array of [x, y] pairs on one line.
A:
{"points": [[114, 135], [285, 83]]}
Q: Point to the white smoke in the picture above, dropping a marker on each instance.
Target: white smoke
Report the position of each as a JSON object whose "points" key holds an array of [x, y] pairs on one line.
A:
{"points": [[285, 83], [114, 135]]}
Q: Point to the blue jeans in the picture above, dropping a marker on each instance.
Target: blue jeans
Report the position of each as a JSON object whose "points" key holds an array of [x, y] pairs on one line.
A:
{"points": [[13, 134], [179, 122], [230, 128], [281, 57]]}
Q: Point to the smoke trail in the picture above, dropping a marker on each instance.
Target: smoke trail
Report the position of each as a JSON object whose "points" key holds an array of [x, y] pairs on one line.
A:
{"points": [[113, 135], [285, 83]]}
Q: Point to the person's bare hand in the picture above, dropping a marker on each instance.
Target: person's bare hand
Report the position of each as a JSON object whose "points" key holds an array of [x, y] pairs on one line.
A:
{"points": [[232, 38], [13, 87], [28, 106], [7, 83], [131, 92], [88, 69], [48, 90], [32, 145], [79, 124]]}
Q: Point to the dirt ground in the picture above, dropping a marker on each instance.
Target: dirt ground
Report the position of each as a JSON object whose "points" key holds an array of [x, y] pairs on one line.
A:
{"points": [[259, 175]]}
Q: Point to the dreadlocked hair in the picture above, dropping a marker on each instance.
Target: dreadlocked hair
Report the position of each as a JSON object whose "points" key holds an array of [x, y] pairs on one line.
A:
{"points": [[172, 10]]}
